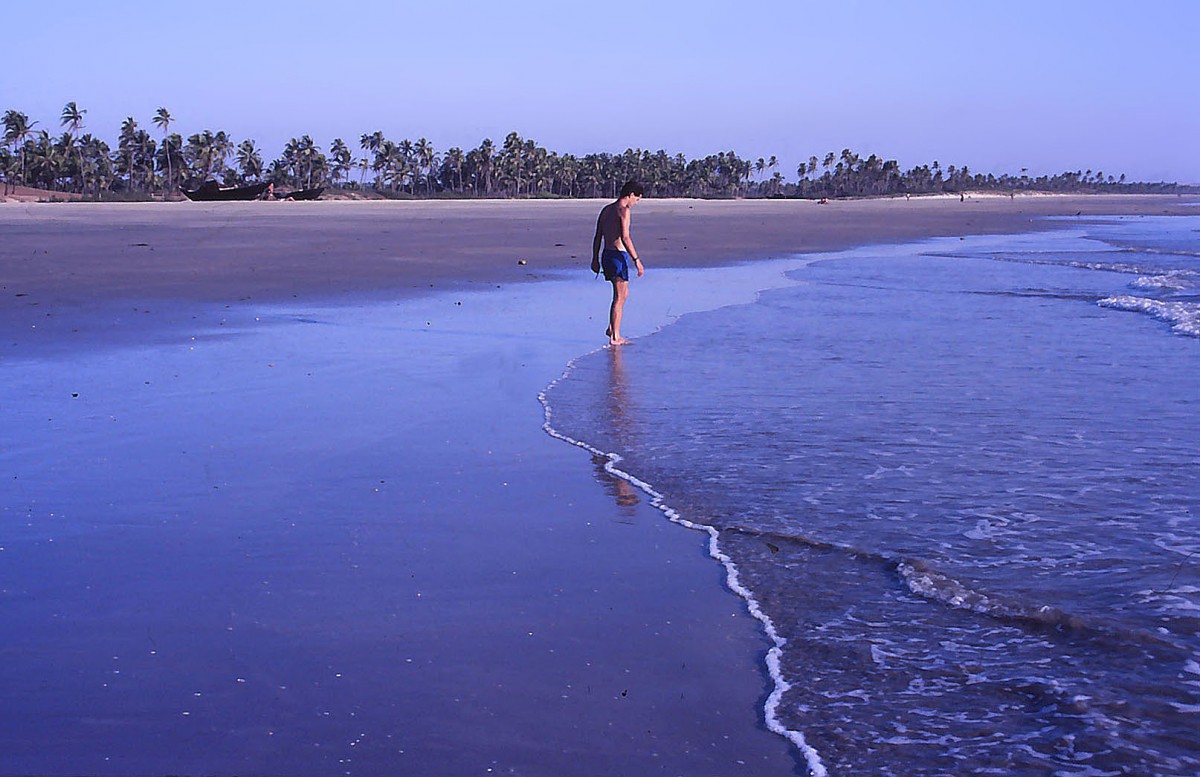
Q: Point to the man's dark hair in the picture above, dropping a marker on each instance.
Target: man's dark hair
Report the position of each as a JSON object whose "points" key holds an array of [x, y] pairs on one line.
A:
{"points": [[632, 187]]}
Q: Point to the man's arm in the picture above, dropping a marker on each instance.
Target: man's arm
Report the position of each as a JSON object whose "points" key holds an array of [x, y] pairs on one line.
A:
{"points": [[596, 244], [627, 241]]}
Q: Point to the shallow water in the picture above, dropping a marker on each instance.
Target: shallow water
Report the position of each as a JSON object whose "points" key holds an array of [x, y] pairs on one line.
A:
{"points": [[960, 480]]}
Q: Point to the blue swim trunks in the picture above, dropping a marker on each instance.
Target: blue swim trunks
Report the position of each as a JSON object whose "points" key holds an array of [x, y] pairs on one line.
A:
{"points": [[615, 264]]}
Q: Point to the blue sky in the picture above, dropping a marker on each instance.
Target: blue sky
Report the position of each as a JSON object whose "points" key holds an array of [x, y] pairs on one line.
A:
{"points": [[1050, 85]]}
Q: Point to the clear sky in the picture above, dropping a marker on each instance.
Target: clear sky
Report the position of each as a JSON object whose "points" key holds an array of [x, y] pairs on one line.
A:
{"points": [[998, 85]]}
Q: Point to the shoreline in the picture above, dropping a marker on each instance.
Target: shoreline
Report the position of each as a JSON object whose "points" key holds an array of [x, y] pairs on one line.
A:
{"points": [[772, 659]]}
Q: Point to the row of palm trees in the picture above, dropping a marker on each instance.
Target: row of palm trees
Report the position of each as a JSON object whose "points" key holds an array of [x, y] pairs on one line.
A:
{"points": [[519, 167], [850, 175], [144, 165], [80, 162]]}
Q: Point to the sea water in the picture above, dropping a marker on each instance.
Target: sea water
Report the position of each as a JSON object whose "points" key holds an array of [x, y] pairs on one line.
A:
{"points": [[958, 481]]}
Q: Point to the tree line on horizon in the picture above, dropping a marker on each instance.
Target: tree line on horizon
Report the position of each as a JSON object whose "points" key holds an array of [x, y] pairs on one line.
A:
{"points": [[143, 166]]}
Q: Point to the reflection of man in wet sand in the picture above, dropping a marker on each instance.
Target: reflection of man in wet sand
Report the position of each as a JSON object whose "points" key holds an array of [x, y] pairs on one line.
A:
{"points": [[613, 229], [624, 492], [620, 489]]}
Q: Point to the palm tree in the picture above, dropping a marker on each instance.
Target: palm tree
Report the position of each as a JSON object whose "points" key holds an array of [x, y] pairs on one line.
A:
{"points": [[43, 162], [8, 166], [310, 157], [512, 158], [96, 164], [250, 162], [340, 154], [405, 162], [454, 160], [291, 162], [198, 153], [162, 119], [384, 165], [486, 156], [540, 164], [223, 148], [170, 156], [426, 160], [207, 152], [54, 157], [305, 161], [147, 145], [72, 119], [372, 144], [127, 143], [17, 128]]}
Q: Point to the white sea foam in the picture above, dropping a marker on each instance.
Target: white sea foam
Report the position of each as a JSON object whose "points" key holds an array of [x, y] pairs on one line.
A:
{"points": [[1154, 276], [1184, 317], [1175, 251], [774, 655], [984, 530], [1172, 281], [1189, 708], [943, 588], [1176, 601]]}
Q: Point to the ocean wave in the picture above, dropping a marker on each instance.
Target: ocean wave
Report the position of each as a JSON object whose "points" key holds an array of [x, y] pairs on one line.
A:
{"points": [[1175, 275], [931, 584], [1184, 317], [1141, 249], [1118, 267], [1176, 601], [1179, 280]]}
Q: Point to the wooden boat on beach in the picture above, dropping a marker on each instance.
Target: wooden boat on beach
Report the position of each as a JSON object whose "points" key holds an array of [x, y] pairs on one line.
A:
{"points": [[211, 191], [303, 194]]}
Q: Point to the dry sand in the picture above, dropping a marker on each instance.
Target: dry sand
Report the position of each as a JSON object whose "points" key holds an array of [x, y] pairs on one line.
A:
{"points": [[68, 270], [222, 252]]}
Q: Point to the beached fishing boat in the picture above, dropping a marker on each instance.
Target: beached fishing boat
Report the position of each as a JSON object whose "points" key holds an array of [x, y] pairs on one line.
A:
{"points": [[303, 194], [211, 191]]}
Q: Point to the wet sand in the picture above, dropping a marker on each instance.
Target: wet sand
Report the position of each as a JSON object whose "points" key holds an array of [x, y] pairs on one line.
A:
{"points": [[279, 502]]}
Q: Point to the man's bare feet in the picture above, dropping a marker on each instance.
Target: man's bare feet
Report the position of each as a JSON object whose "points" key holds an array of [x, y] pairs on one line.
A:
{"points": [[615, 340]]}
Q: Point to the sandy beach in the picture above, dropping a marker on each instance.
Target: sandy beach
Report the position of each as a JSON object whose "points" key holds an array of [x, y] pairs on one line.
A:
{"points": [[280, 502], [227, 252], [68, 269]]}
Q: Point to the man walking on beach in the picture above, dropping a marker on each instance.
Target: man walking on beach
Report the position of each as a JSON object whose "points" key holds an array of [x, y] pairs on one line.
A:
{"points": [[613, 229]]}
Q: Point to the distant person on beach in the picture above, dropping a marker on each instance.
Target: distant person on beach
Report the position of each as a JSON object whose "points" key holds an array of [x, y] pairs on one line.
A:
{"points": [[612, 228]]}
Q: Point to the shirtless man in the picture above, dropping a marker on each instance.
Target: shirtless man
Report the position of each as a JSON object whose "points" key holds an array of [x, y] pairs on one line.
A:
{"points": [[613, 229]]}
